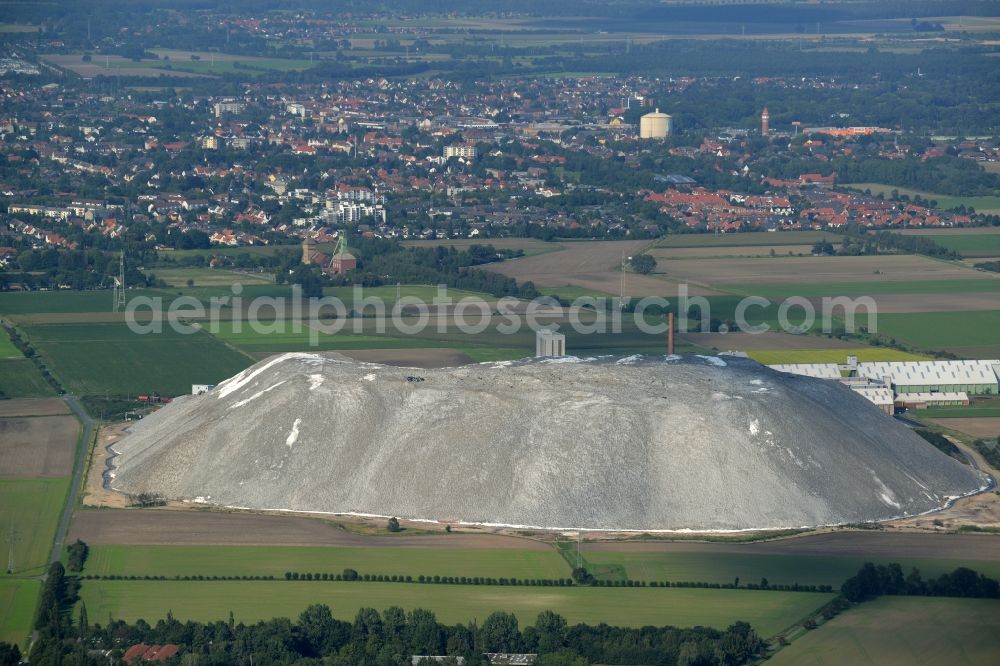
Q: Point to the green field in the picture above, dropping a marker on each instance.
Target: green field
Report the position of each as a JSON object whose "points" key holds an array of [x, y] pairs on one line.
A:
{"points": [[490, 344], [944, 201], [970, 245], [972, 411], [875, 288], [900, 630], [715, 567], [17, 610], [203, 277], [425, 293], [19, 378], [32, 508], [7, 348], [96, 359], [752, 238], [864, 354], [768, 612], [970, 333], [275, 561]]}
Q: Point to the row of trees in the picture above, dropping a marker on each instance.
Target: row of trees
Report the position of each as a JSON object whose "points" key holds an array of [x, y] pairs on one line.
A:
{"points": [[389, 637], [877, 580]]}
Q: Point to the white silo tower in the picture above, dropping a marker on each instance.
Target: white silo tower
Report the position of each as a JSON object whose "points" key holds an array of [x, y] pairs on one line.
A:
{"points": [[655, 125]]}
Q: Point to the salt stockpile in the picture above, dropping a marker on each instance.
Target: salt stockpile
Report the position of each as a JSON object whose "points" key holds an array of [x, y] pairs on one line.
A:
{"points": [[635, 443]]}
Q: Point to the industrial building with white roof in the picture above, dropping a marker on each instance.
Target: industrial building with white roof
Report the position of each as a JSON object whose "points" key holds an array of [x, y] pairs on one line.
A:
{"points": [[908, 384]]}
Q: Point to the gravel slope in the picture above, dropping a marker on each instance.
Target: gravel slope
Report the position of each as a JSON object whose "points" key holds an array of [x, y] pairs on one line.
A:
{"points": [[647, 443]]}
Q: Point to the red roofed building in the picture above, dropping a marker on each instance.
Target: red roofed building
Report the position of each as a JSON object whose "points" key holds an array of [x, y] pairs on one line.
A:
{"points": [[149, 652]]}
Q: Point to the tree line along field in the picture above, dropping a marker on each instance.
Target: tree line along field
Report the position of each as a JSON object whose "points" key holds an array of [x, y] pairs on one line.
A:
{"points": [[249, 601], [902, 630], [275, 561]]}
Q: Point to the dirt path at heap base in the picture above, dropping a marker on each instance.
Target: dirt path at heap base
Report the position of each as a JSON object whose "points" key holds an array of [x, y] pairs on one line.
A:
{"points": [[209, 527], [844, 544]]}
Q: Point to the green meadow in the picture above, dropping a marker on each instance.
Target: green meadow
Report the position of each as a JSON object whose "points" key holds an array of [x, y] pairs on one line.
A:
{"points": [[275, 561], [32, 508], [768, 612], [95, 359], [893, 631], [716, 567], [17, 610]]}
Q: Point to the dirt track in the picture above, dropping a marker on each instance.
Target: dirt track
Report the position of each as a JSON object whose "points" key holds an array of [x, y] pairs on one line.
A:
{"points": [[37, 446], [845, 544], [193, 527]]}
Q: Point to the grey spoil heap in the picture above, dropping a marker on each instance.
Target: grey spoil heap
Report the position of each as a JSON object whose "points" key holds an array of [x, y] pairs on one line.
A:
{"points": [[611, 443]]}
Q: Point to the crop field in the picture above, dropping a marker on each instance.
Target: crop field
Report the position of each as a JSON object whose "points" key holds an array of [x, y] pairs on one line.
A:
{"points": [[17, 610], [531, 246], [99, 359], [32, 508], [741, 272], [594, 266], [491, 344], [864, 354], [34, 302], [665, 254], [715, 567], [973, 334], [944, 201], [19, 378], [971, 245], [175, 63], [901, 630], [275, 561], [207, 277], [754, 239], [808, 289], [768, 612], [980, 427], [37, 446]]}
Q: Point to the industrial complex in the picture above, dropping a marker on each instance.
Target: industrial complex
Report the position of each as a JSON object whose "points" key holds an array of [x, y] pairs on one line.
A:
{"points": [[899, 385]]}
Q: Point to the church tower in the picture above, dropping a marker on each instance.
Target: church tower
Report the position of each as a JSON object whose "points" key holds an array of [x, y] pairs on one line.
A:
{"points": [[765, 122]]}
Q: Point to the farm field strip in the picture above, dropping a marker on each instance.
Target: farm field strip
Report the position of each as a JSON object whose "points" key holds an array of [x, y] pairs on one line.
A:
{"points": [[109, 358], [250, 601], [19, 378], [275, 561], [809, 289], [37, 446], [864, 354], [17, 610], [742, 272], [903, 630], [747, 239], [982, 204], [32, 507], [751, 568], [944, 330]]}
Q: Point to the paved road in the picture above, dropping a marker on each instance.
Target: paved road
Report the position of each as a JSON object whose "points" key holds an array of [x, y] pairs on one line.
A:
{"points": [[78, 471]]}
